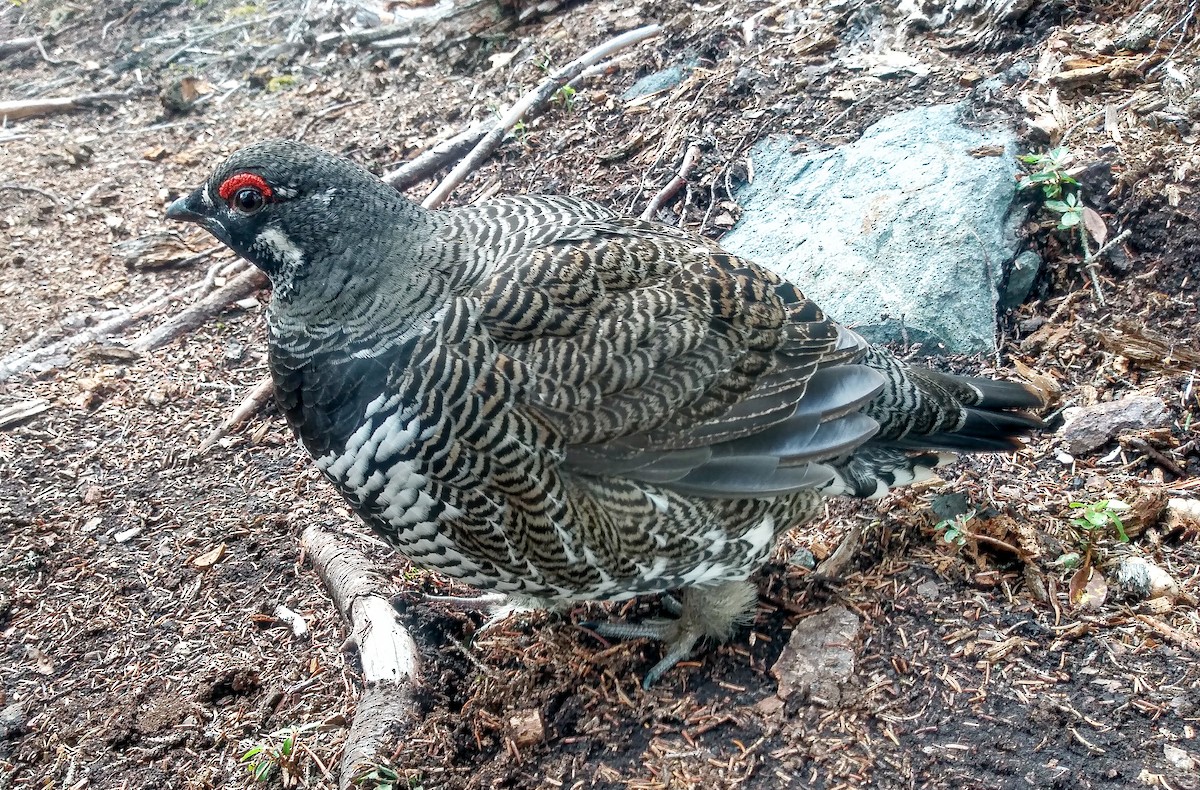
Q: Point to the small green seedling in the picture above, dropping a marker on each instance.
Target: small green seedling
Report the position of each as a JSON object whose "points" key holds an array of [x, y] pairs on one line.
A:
{"points": [[1070, 211], [954, 530], [566, 97], [281, 82], [1050, 172], [520, 132], [1098, 518], [278, 753]]}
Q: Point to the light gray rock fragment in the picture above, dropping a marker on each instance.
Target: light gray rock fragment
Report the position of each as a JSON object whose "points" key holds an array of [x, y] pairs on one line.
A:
{"points": [[819, 657], [1093, 426]]}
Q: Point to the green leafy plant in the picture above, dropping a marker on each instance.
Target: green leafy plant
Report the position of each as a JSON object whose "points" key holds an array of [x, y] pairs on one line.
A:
{"points": [[277, 753], [1049, 172], [281, 82], [1094, 520], [565, 96], [954, 530], [1099, 518], [1070, 211]]}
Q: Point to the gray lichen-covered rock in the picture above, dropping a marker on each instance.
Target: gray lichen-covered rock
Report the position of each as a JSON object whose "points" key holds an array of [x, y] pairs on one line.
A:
{"points": [[909, 231]]}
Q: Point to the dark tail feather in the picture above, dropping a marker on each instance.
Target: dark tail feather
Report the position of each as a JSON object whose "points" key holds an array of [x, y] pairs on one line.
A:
{"points": [[921, 409], [982, 431]]}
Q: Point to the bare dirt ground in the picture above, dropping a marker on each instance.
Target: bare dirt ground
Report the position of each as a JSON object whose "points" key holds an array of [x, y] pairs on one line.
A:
{"points": [[139, 581]]}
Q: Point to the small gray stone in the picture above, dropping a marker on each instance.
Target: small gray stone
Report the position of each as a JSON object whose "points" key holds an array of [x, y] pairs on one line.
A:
{"points": [[803, 558], [1093, 426], [1021, 275], [12, 721], [929, 590], [819, 657], [658, 81]]}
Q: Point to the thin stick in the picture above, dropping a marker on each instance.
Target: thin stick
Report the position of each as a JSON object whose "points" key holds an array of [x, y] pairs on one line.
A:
{"points": [[254, 400], [31, 190], [12, 110], [534, 98], [25, 356], [241, 286], [1180, 638], [690, 158], [453, 148], [17, 45], [1089, 259], [434, 158]]}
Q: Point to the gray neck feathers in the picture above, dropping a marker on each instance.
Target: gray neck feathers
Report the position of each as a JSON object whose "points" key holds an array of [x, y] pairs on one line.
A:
{"points": [[362, 292]]}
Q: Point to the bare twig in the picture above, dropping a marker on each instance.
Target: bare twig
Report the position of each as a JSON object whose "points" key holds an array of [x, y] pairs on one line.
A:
{"points": [[529, 101], [31, 190], [19, 412], [1180, 638], [27, 355], [440, 155], [12, 110], [690, 158], [1089, 259], [254, 400], [391, 665], [14, 45], [1096, 116], [220, 31], [41, 48], [241, 286]]}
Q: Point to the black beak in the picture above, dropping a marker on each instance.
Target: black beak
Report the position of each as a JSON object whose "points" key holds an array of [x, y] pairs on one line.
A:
{"points": [[188, 208]]}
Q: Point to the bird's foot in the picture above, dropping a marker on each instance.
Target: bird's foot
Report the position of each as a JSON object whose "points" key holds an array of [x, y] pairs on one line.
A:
{"points": [[702, 612]]}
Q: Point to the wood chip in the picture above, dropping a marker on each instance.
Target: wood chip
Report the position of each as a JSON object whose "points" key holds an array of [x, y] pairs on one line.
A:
{"points": [[21, 411], [209, 558]]}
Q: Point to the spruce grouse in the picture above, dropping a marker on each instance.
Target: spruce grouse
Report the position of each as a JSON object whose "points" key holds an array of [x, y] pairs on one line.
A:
{"points": [[543, 398]]}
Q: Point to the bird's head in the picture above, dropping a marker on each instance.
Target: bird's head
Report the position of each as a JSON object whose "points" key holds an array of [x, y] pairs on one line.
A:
{"points": [[293, 210]]}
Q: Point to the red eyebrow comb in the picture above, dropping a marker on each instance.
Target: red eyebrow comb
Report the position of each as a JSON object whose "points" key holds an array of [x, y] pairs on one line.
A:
{"points": [[234, 183]]}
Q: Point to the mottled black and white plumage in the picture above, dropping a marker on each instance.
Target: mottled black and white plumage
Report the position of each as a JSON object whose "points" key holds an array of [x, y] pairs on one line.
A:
{"points": [[540, 397]]}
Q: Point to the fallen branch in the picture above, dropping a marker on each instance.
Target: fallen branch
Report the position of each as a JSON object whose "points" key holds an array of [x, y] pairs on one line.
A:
{"points": [[30, 190], [14, 45], [390, 664], [21, 411], [435, 158], [29, 354], [196, 314], [690, 158], [13, 110], [535, 98], [1184, 640]]}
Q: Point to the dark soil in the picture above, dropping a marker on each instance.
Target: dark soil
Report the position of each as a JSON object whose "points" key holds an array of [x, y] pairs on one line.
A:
{"points": [[139, 581]]}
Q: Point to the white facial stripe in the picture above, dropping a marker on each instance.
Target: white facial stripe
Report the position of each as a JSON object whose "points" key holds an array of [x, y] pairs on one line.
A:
{"points": [[278, 247]]}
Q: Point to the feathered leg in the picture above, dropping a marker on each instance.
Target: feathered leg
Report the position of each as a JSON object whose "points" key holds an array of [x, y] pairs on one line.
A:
{"points": [[704, 612]]}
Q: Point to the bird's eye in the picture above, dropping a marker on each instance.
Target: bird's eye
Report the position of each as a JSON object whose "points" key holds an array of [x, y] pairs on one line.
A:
{"points": [[245, 193], [248, 200]]}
